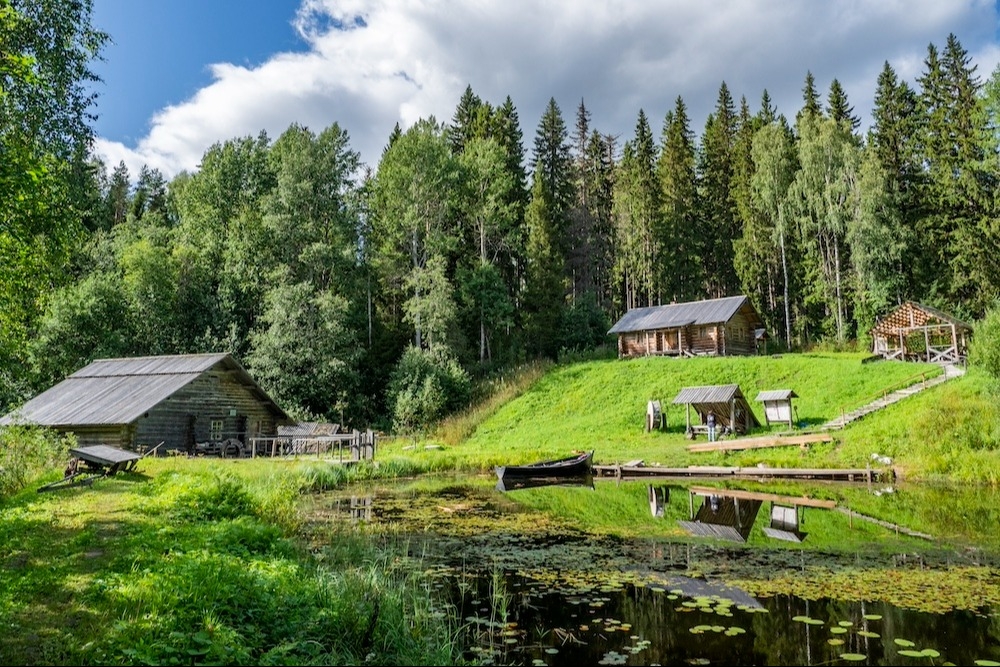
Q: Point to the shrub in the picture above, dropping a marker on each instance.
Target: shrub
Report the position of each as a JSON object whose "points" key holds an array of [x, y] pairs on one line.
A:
{"points": [[425, 386], [27, 452], [984, 351]]}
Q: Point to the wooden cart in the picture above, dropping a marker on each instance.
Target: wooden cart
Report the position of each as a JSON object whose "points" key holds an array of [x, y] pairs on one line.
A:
{"points": [[92, 463]]}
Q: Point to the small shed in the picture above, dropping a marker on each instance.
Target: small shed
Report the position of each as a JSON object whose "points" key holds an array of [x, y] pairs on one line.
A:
{"points": [[778, 406], [727, 403], [915, 332]]}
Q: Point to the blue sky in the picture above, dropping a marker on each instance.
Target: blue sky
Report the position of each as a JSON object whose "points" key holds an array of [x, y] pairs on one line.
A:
{"points": [[181, 75]]}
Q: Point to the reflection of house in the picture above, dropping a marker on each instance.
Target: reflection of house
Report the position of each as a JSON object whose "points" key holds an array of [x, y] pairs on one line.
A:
{"points": [[724, 518], [785, 524], [727, 403], [914, 332], [139, 402], [778, 405], [727, 326]]}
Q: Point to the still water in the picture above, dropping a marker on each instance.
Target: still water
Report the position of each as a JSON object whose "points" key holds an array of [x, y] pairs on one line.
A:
{"points": [[659, 572]]}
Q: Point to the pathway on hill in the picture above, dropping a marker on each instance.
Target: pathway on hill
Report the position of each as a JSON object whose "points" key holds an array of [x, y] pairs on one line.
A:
{"points": [[950, 371]]}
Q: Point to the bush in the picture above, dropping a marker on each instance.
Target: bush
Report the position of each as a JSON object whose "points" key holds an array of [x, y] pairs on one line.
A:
{"points": [[27, 452], [425, 386], [984, 350]]}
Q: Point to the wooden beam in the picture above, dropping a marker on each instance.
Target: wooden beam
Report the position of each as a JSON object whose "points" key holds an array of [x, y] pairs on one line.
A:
{"points": [[761, 443], [796, 501]]}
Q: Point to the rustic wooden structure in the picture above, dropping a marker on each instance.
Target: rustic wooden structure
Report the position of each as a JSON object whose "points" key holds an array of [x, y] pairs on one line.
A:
{"points": [[914, 332], [179, 401], [785, 520], [722, 517], [636, 472], [778, 406], [97, 461], [309, 438], [764, 442], [655, 418], [727, 402], [727, 326]]}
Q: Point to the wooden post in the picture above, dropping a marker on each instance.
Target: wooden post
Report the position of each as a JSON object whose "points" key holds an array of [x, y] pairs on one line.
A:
{"points": [[688, 417], [927, 345], [732, 413]]}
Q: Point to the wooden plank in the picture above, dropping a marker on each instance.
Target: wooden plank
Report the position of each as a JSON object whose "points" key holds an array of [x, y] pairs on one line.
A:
{"points": [[768, 497], [760, 443]]}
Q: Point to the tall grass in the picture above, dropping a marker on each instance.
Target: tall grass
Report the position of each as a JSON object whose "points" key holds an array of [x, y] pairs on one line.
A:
{"points": [[494, 393], [28, 452], [201, 562]]}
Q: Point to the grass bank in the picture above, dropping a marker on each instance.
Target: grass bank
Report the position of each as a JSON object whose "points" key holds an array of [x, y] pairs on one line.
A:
{"points": [[601, 405], [202, 562]]}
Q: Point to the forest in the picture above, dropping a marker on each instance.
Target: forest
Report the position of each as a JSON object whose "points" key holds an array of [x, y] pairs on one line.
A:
{"points": [[379, 295]]}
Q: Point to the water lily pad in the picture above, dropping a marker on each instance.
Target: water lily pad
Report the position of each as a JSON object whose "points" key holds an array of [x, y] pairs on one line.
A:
{"points": [[987, 663], [903, 642], [910, 653], [551, 650], [869, 634], [872, 617], [845, 624], [833, 641], [838, 631], [853, 657], [930, 653]]}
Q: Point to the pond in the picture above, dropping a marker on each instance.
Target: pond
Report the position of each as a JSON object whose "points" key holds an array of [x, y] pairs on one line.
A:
{"points": [[697, 572]]}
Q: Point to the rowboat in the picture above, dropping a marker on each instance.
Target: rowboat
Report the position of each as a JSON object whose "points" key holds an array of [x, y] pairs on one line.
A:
{"points": [[572, 466]]}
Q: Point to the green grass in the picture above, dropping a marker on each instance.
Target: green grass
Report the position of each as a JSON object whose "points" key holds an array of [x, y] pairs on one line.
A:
{"points": [[601, 405], [203, 561]]}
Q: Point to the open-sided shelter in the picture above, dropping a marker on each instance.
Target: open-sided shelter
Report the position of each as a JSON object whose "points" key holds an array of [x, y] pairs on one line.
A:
{"points": [[723, 518], [914, 332], [726, 401], [778, 406], [140, 402], [727, 326]]}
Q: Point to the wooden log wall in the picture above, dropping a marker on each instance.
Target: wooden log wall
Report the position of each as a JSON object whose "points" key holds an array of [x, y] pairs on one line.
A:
{"points": [[214, 395]]}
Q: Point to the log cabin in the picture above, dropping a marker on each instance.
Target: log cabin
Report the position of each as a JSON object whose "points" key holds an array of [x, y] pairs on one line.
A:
{"points": [[137, 403], [723, 327]]}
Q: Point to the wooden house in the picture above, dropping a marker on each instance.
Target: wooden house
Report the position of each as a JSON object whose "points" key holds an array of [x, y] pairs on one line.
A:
{"points": [[914, 332], [727, 326], [727, 402], [138, 403]]}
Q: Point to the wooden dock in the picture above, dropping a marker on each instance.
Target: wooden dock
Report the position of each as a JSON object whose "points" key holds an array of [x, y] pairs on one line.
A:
{"points": [[759, 443], [622, 472]]}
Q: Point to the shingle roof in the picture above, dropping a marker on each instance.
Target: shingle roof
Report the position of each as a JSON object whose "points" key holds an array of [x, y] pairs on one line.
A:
{"points": [[119, 391], [722, 393], [776, 395], [674, 315]]}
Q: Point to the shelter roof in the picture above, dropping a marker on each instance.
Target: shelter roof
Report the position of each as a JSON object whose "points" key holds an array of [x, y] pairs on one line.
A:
{"points": [[308, 429], [912, 314], [119, 391], [711, 311], [708, 394], [776, 395]]}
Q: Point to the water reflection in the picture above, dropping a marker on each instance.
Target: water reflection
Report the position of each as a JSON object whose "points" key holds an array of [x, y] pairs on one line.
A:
{"points": [[655, 591]]}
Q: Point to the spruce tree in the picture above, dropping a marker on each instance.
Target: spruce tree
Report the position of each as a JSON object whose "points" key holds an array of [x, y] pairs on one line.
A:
{"points": [[681, 267], [839, 109]]}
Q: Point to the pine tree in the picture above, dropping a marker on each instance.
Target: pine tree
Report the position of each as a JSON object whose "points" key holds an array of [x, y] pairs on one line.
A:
{"points": [[681, 267], [720, 226], [839, 109], [543, 294], [810, 99]]}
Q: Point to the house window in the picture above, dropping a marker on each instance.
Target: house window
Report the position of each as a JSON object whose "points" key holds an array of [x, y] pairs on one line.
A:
{"points": [[215, 432]]}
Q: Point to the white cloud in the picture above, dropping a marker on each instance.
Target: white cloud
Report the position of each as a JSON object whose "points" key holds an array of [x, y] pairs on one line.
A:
{"points": [[372, 63]]}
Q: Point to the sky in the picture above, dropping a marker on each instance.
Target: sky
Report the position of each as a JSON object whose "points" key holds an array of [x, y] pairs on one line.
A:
{"points": [[181, 75]]}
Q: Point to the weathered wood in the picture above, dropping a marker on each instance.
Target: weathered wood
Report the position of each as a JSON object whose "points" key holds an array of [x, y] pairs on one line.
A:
{"points": [[885, 524], [800, 501], [761, 442], [831, 474]]}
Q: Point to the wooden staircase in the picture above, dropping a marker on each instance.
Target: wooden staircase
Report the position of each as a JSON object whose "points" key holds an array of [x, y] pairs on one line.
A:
{"points": [[950, 371]]}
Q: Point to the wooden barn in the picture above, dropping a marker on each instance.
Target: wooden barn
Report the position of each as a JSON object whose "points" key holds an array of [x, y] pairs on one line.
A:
{"points": [[727, 326], [914, 332], [138, 403], [727, 402]]}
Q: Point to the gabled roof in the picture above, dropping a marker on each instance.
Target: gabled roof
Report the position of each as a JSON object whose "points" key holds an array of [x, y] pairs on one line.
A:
{"points": [[912, 314], [119, 391], [776, 395], [722, 393], [712, 311]]}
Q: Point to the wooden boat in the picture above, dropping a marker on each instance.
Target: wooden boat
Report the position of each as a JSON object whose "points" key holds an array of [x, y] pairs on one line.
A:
{"points": [[517, 483], [572, 466]]}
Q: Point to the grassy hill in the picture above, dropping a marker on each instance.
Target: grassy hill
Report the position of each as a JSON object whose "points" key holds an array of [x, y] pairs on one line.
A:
{"points": [[951, 430]]}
